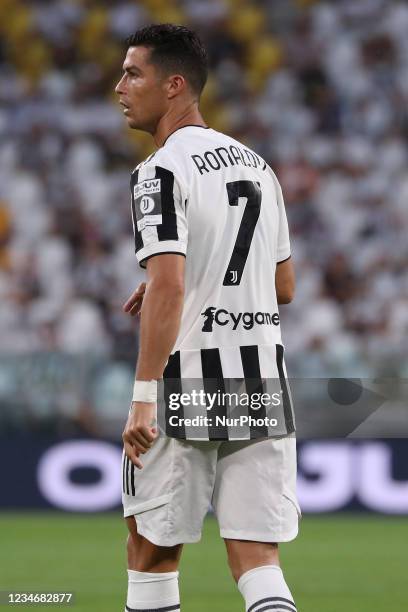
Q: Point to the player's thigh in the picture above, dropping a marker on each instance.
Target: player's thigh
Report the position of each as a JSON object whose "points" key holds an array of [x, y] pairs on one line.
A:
{"points": [[170, 496], [144, 556], [255, 490]]}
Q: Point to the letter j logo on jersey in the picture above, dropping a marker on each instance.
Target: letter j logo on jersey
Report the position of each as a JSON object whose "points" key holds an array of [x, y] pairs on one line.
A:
{"points": [[146, 205]]}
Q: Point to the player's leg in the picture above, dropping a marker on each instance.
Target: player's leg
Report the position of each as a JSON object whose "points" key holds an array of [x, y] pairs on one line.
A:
{"points": [[152, 573], [164, 506], [144, 556], [256, 506], [244, 555], [255, 567]]}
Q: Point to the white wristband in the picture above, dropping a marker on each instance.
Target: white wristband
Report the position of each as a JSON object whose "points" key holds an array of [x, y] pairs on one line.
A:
{"points": [[145, 391]]}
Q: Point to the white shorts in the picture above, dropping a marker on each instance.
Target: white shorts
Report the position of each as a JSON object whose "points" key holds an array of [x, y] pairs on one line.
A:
{"points": [[251, 485]]}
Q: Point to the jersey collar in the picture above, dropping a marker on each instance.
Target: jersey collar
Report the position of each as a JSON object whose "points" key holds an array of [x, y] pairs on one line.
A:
{"points": [[204, 127]]}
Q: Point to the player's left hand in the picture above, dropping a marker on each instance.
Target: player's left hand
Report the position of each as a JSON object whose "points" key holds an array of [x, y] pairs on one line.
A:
{"points": [[133, 305], [140, 431]]}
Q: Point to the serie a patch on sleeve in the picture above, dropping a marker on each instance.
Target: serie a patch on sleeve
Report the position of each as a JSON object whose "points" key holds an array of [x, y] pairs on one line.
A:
{"points": [[148, 205]]}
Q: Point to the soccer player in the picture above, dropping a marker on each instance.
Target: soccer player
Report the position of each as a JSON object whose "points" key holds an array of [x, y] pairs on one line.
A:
{"points": [[210, 228]]}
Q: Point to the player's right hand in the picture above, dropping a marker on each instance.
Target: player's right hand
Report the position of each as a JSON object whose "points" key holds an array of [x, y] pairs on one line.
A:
{"points": [[140, 431], [133, 305]]}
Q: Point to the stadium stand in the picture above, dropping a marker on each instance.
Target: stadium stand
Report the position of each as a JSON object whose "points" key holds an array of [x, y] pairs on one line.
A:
{"points": [[320, 89]]}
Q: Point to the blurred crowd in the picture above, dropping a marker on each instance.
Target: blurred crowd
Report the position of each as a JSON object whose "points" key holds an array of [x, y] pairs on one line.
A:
{"points": [[319, 89]]}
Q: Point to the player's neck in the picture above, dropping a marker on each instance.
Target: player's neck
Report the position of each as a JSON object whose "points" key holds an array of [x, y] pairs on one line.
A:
{"points": [[176, 119]]}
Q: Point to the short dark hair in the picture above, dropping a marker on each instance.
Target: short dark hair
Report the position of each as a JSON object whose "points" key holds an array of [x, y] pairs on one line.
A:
{"points": [[175, 48]]}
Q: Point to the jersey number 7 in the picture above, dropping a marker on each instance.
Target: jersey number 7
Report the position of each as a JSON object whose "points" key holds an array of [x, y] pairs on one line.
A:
{"points": [[252, 192]]}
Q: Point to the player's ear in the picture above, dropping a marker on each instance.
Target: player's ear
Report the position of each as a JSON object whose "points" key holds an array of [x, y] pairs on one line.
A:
{"points": [[175, 85]]}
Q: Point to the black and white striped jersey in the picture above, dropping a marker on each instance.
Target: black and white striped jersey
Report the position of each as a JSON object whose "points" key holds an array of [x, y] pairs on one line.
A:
{"points": [[216, 202]]}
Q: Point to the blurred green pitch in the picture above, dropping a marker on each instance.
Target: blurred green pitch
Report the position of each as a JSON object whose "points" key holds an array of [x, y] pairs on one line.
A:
{"points": [[338, 563]]}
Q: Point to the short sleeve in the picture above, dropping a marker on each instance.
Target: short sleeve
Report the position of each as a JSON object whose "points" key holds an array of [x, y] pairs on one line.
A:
{"points": [[283, 247], [158, 212]]}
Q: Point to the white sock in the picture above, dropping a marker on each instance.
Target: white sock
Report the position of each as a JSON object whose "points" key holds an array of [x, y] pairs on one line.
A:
{"points": [[264, 588], [153, 592]]}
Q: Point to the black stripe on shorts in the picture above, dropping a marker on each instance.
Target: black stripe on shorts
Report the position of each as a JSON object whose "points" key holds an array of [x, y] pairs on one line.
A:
{"points": [[132, 478], [127, 475], [123, 473]]}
